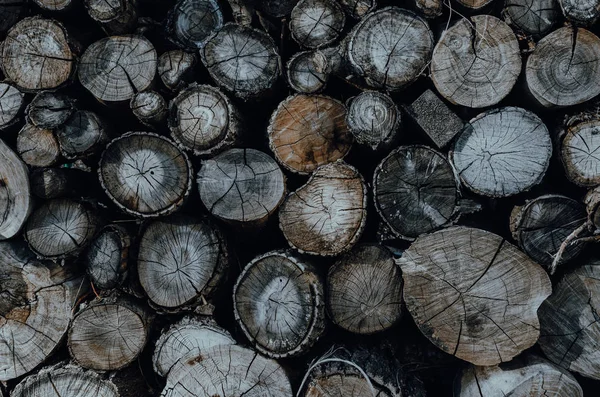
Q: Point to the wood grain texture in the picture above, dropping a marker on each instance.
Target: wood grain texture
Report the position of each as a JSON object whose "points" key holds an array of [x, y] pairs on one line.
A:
{"points": [[316, 23], [581, 12], [308, 72], [191, 22], [83, 135], [11, 103], [37, 147], [15, 196], [115, 17], [175, 68], [579, 153], [474, 4], [373, 118], [149, 107], [106, 257], [535, 17], [430, 8], [49, 109], [54, 5]]}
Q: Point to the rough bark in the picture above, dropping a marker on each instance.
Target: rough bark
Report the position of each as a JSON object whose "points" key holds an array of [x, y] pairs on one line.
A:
{"points": [[373, 118], [114, 16], [82, 136], [191, 22], [175, 68], [15, 197], [37, 147], [358, 8], [11, 103], [328, 214], [49, 183], [578, 152], [581, 12], [535, 17], [308, 72], [49, 109], [502, 152], [149, 107], [430, 8], [316, 23], [474, 4], [106, 257], [473, 294], [592, 204], [243, 13]]}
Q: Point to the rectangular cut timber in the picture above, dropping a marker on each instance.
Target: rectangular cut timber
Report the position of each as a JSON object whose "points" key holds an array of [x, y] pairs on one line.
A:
{"points": [[435, 118]]}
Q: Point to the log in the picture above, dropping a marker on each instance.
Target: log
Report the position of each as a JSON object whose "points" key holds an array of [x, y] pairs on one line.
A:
{"points": [[185, 340], [243, 13], [15, 196], [578, 152], [373, 118], [592, 204], [175, 69], [502, 152], [128, 65], [430, 8], [308, 72], [581, 12], [37, 301], [113, 16], [308, 131], [276, 8], [36, 55], [415, 191], [149, 107], [358, 8], [473, 294], [106, 257], [49, 109], [316, 23], [37, 147], [279, 304], [82, 136], [203, 120], [181, 261], [564, 68], [54, 5], [474, 4], [145, 174], [476, 62], [242, 60], [191, 22], [327, 215], [11, 103], [11, 11], [389, 48], [242, 186], [535, 17], [364, 290], [49, 183]]}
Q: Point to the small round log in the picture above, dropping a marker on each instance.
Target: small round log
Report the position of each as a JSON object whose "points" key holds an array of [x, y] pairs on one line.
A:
{"points": [[430, 8], [149, 107], [203, 119], [534, 17], [49, 109], [175, 68], [145, 174], [473, 294], [364, 290], [328, 214], [37, 147], [106, 257], [11, 11], [115, 68], [390, 48], [54, 5], [476, 62], [581, 12], [502, 152], [191, 22], [49, 183], [15, 197], [82, 136], [114, 16], [308, 131], [474, 4], [11, 103], [241, 186], [316, 23], [564, 68], [279, 304], [308, 72], [358, 8], [374, 119], [578, 153], [415, 191]]}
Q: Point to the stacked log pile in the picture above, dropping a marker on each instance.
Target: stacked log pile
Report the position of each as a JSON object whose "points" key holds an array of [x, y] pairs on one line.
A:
{"points": [[310, 198]]}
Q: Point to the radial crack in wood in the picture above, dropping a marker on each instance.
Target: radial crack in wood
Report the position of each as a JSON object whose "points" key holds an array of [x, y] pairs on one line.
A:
{"points": [[579, 152], [191, 22], [535, 17], [106, 257], [149, 107], [49, 109], [581, 12], [308, 72], [15, 196], [373, 118], [37, 147], [316, 23], [175, 68], [114, 16], [11, 104], [82, 136]]}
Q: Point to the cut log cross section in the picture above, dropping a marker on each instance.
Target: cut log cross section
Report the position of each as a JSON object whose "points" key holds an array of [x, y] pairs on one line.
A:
{"points": [[15, 197]]}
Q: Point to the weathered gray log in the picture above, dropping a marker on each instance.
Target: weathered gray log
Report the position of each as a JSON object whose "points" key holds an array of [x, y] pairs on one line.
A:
{"points": [[415, 191], [36, 54], [390, 48], [308, 72], [476, 62], [115, 68], [242, 60], [534, 17], [308, 131], [502, 152], [11, 11], [114, 16], [49, 109], [581, 12], [37, 147], [191, 22], [36, 305], [54, 5], [82, 136], [373, 118], [145, 174], [316, 23], [15, 197], [564, 68], [243, 13], [175, 68], [592, 204], [430, 8], [328, 214], [358, 8], [473, 294], [106, 257], [364, 290], [49, 183], [474, 4], [579, 151], [11, 103], [149, 107], [241, 186]]}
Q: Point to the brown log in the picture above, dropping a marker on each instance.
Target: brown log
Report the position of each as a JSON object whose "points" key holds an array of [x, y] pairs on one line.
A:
{"points": [[534, 17], [106, 257], [191, 22], [15, 198], [114, 16], [374, 119], [175, 68], [38, 147], [316, 23], [149, 107], [11, 104], [307, 72]]}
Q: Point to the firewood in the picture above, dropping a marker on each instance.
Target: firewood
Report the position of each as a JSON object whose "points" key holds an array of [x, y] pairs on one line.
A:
{"points": [[175, 68], [149, 107], [191, 22], [49, 183], [308, 72], [54, 5], [534, 17], [374, 119], [474, 4], [82, 136], [358, 8], [114, 16], [592, 204], [106, 257], [316, 23], [49, 109], [473, 294], [243, 13], [11, 104], [581, 12], [15, 198], [38, 147], [430, 8], [578, 152]]}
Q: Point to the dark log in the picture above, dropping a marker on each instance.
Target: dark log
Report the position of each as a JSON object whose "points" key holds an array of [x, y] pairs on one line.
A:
{"points": [[430, 8], [54, 5], [106, 257], [534, 17], [374, 119], [145, 174], [114, 16], [364, 290], [276, 8], [316, 23], [191, 22], [308, 72], [473, 294], [49, 183], [243, 13], [327, 215], [502, 152], [308, 131], [11, 103], [149, 107], [241, 186], [474, 4], [578, 152], [11, 11], [49, 109], [581, 12], [175, 68], [15, 197], [476, 62], [279, 304], [37, 147], [358, 8], [82, 136], [592, 204]]}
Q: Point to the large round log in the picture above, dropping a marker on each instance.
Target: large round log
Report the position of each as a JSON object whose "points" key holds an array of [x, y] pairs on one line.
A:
{"points": [[15, 197], [106, 257], [473, 294], [175, 68], [49, 109], [82, 136], [578, 152], [581, 12], [308, 72], [114, 16], [316, 23], [535, 17], [374, 119], [11, 103], [37, 146], [191, 22]]}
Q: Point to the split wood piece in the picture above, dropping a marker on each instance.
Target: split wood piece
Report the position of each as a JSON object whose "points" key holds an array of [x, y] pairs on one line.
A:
{"points": [[570, 332], [185, 340], [530, 376], [36, 308], [592, 203], [49, 183], [308, 131], [390, 48], [60, 228], [474, 4], [502, 152], [243, 13], [579, 152], [242, 60], [108, 334], [115, 68], [581, 12], [82, 136], [473, 294], [327, 215], [54, 5], [37, 147], [191, 22], [181, 261], [564, 68], [11, 103], [373, 118], [114, 16], [358, 8], [308, 72], [49, 109], [145, 174], [227, 370], [106, 257], [65, 381], [364, 290], [203, 119], [36, 55], [15, 196], [542, 225], [241, 186], [535, 17], [175, 68], [316, 23], [279, 304], [430, 8], [11, 11], [276, 8], [476, 62], [415, 191], [149, 107]]}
